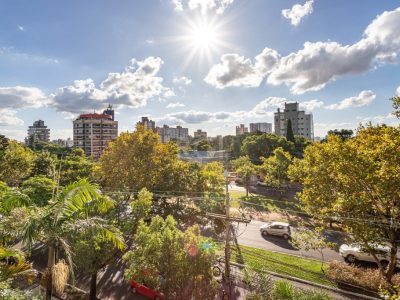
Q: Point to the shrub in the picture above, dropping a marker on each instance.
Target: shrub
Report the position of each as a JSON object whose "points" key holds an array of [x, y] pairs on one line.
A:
{"points": [[283, 290], [363, 277]]}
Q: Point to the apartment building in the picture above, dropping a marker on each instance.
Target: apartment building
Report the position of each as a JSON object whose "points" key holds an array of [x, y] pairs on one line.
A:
{"points": [[260, 127], [92, 132], [38, 132], [199, 134], [147, 123], [241, 129], [302, 123], [178, 134]]}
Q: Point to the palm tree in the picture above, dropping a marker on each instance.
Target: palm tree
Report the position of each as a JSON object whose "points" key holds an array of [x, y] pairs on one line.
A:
{"points": [[72, 205], [12, 263]]}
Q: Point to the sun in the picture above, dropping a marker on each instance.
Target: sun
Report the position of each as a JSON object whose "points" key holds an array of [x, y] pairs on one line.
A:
{"points": [[203, 36]]}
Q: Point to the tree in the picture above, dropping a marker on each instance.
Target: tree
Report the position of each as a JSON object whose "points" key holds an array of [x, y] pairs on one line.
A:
{"points": [[139, 160], [202, 145], [344, 134], [289, 131], [396, 106], [13, 264], [73, 167], [300, 144], [39, 189], [256, 146], [70, 210], [245, 168], [357, 182], [275, 168], [44, 164], [174, 262], [15, 163], [93, 251]]}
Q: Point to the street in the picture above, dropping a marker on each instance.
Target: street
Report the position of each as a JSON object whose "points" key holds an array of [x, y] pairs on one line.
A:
{"points": [[249, 235]]}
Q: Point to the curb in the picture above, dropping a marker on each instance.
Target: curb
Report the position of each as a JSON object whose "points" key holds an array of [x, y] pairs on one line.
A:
{"points": [[336, 290]]}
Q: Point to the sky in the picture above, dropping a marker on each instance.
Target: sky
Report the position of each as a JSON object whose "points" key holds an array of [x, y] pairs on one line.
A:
{"points": [[202, 64]]}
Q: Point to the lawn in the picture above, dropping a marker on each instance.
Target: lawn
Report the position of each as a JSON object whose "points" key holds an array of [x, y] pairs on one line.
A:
{"points": [[280, 263]]}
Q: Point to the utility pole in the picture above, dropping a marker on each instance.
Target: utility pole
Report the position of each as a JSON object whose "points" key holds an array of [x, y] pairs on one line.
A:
{"points": [[227, 239]]}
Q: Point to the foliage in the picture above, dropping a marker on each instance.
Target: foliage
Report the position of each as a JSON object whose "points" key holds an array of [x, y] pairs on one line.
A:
{"points": [[246, 170], [365, 277], [344, 134], [357, 177], [12, 264], [9, 293], [173, 262], [44, 164], [283, 290], [289, 131], [260, 283], [12, 224], [59, 276], [39, 189], [141, 207], [385, 294], [275, 168], [15, 163], [73, 167], [300, 144], [256, 146], [396, 106], [202, 145]]}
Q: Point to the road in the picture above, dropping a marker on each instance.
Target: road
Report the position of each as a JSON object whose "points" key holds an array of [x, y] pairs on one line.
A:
{"points": [[249, 235]]}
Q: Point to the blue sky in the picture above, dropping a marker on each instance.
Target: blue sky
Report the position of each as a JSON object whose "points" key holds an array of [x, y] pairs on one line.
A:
{"points": [[208, 64]]}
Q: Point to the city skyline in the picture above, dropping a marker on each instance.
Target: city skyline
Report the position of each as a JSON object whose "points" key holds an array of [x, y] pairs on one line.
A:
{"points": [[212, 65]]}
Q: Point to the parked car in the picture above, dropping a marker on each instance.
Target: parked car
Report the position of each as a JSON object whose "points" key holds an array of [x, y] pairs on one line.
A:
{"points": [[276, 228], [354, 253], [142, 289]]}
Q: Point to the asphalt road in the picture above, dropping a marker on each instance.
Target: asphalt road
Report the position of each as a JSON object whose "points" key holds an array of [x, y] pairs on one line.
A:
{"points": [[249, 235]]}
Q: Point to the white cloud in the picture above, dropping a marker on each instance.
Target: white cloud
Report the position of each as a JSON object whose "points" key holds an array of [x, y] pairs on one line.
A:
{"points": [[132, 88], [235, 70], [398, 91], [264, 107], [14, 55], [21, 28], [317, 64], [298, 12], [19, 97], [311, 104], [182, 80], [364, 98], [378, 118], [8, 118], [205, 6], [175, 105]]}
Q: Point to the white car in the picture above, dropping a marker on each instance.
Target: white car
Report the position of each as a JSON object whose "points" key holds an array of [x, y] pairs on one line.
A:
{"points": [[353, 253], [276, 228]]}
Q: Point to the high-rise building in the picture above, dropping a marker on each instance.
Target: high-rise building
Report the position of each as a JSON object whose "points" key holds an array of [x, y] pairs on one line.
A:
{"points": [[68, 143], [92, 132], [260, 127], [178, 134], [199, 134], [241, 129], [302, 123], [38, 132], [147, 124]]}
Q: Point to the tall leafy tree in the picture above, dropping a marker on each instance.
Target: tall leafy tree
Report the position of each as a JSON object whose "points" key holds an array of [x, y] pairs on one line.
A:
{"points": [[39, 189], [344, 134], [396, 106], [275, 168], [71, 209], [289, 131], [356, 181], [44, 164], [246, 170], [174, 262], [16, 163], [73, 167]]}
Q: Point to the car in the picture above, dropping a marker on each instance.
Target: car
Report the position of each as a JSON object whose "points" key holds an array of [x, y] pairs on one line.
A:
{"points": [[144, 290], [276, 228], [353, 253]]}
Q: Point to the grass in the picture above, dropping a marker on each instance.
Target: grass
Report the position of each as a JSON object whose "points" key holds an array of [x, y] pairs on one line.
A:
{"points": [[280, 263]]}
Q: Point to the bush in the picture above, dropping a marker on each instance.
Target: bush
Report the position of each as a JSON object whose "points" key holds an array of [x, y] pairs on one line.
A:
{"points": [[283, 290], [363, 277]]}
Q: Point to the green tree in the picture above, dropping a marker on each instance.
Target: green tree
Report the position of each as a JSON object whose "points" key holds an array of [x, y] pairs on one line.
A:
{"points": [[246, 170], [175, 263], [356, 181], [344, 134], [396, 106], [275, 168], [256, 146], [15, 163], [93, 251], [300, 144], [289, 131], [13, 264], [70, 210], [39, 189], [73, 167], [202, 145], [44, 164]]}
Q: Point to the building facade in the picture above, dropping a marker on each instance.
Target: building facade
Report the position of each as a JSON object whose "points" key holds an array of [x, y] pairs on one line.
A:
{"points": [[302, 123], [92, 132], [38, 132], [199, 134], [241, 129], [178, 134], [260, 127], [147, 124]]}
